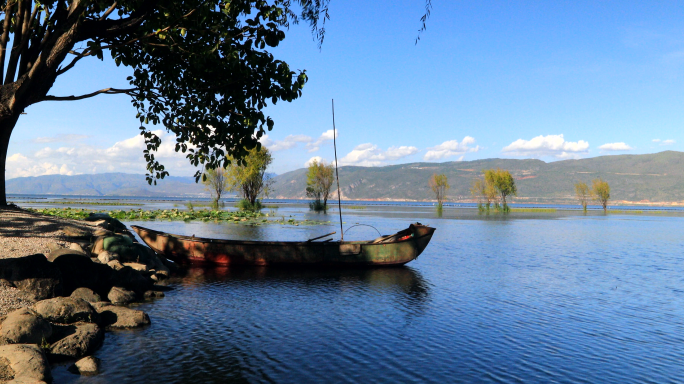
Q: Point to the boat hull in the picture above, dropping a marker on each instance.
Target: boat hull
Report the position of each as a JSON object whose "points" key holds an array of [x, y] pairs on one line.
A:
{"points": [[213, 252]]}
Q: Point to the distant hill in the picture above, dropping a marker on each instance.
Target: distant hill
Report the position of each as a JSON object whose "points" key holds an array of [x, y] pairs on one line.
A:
{"points": [[655, 177], [105, 184]]}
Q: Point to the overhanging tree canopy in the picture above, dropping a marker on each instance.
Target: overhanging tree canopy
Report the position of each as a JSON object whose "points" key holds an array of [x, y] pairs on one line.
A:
{"points": [[201, 68]]}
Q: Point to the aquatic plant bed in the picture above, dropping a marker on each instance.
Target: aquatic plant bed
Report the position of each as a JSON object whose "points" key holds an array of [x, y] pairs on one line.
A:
{"points": [[238, 217]]}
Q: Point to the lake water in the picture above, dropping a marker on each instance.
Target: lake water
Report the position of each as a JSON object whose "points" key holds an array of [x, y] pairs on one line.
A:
{"points": [[529, 298]]}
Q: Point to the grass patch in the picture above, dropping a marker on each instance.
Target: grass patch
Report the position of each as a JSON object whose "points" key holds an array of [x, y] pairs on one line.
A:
{"points": [[237, 217], [355, 207], [82, 203]]}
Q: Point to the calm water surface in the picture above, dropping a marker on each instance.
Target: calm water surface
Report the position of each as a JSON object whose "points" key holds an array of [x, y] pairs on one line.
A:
{"points": [[565, 299]]}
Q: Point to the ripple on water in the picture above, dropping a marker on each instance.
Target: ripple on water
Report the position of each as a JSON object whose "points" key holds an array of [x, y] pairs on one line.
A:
{"points": [[575, 300]]}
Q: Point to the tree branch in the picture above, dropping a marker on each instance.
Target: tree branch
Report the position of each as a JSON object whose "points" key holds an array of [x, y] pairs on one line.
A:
{"points": [[109, 11], [4, 38], [107, 91]]}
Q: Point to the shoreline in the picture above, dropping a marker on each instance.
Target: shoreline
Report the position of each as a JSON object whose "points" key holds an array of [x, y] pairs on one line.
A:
{"points": [[62, 285]]}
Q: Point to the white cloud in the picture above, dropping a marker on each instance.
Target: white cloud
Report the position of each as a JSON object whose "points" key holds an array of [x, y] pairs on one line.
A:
{"points": [[369, 155], [615, 147], [289, 142], [123, 156], [451, 148], [292, 141], [317, 159], [664, 142], [325, 137], [550, 145]]}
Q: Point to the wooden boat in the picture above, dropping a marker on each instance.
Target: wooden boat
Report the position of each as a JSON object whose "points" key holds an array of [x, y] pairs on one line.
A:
{"points": [[396, 249]]}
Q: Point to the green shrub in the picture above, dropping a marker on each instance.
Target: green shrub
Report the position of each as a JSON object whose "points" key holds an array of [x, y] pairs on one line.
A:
{"points": [[318, 206], [245, 205]]}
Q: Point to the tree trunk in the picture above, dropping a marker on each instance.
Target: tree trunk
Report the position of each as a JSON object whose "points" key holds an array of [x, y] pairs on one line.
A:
{"points": [[6, 127]]}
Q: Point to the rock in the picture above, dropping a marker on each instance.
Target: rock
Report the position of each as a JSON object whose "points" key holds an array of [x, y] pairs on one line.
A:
{"points": [[132, 280], [72, 231], [66, 310], [137, 266], [106, 256], [5, 284], [154, 294], [87, 366], [78, 271], [162, 274], [77, 247], [75, 340], [24, 363], [115, 264], [86, 294], [54, 246], [113, 316], [52, 256], [33, 274], [105, 221], [102, 232], [118, 295], [24, 326]]}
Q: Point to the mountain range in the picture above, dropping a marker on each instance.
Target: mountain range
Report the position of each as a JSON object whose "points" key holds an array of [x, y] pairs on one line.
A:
{"points": [[655, 177]]}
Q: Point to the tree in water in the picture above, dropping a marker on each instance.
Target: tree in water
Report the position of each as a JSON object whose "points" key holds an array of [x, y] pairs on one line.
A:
{"points": [[485, 193], [319, 180], [583, 194], [439, 185], [503, 183], [601, 192], [216, 182], [249, 179]]}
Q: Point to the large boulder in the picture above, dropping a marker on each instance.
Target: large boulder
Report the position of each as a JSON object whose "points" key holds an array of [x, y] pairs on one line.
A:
{"points": [[107, 222], [33, 274], [86, 294], [132, 280], [87, 366], [54, 255], [24, 363], [113, 316], [78, 271], [120, 296], [66, 310], [75, 340], [24, 326]]}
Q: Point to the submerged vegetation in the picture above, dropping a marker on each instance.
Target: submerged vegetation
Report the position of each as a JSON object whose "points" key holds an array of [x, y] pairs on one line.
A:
{"points": [[239, 217]]}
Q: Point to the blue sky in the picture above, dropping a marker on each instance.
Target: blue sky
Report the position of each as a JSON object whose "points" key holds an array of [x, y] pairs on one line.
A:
{"points": [[548, 80]]}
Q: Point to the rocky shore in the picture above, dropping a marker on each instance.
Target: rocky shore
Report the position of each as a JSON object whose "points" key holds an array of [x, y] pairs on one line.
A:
{"points": [[63, 283]]}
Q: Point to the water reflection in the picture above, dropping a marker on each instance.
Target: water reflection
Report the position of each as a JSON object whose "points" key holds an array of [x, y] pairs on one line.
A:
{"points": [[405, 283]]}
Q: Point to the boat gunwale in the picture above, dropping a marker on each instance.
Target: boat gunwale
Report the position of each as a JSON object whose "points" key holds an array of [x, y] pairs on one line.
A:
{"points": [[195, 239]]}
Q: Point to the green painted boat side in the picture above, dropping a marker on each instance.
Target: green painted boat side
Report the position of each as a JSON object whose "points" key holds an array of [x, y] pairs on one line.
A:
{"points": [[397, 249]]}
